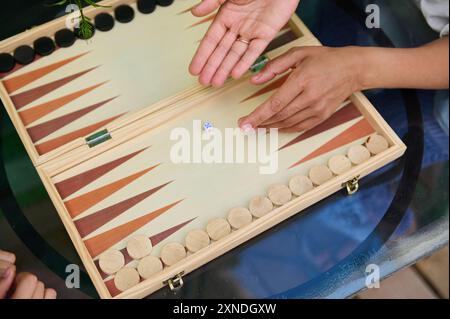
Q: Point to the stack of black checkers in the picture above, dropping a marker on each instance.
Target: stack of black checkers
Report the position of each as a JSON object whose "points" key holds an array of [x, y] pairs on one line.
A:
{"points": [[65, 38]]}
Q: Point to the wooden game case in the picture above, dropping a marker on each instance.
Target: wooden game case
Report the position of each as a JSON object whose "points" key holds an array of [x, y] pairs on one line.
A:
{"points": [[132, 130]]}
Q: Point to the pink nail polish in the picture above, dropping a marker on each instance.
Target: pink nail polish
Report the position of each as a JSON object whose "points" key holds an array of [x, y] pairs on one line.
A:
{"points": [[247, 128]]}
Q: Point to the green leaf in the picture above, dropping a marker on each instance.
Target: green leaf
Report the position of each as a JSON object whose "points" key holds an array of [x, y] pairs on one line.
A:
{"points": [[60, 3]]}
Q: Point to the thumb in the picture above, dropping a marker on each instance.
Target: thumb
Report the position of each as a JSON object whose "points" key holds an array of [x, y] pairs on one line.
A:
{"points": [[279, 65], [6, 280], [206, 7]]}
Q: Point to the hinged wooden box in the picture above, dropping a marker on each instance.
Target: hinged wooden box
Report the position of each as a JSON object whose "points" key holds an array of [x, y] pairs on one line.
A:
{"points": [[96, 118]]}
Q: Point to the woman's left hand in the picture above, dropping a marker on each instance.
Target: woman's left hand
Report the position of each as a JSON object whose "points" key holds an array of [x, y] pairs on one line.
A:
{"points": [[321, 80]]}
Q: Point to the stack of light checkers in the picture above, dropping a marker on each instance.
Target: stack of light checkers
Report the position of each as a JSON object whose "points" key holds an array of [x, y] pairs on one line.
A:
{"points": [[140, 247], [44, 46]]}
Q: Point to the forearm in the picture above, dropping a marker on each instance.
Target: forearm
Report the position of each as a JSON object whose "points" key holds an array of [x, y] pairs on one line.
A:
{"points": [[426, 67]]}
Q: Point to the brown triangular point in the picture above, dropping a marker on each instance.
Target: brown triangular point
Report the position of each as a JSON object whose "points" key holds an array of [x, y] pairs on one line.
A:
{"points": [[90, 223], [344, 115], [80, 204], [22, 99], [42, 130], [18, 82], [98, 244], [355, 132], [35, 113], [71, 185], [205, 20]]}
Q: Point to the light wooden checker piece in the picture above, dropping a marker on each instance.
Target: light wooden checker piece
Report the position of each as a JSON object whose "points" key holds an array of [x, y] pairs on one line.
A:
{"points": [[149, 266], [139, 247], [320, 174], [358, 154], [196, 240], [239, 217], [300, 185], [126, 278], [111, 261], [260, 206], [172, 253], [218, 228], [377, 144], [279, 194], [339, 164]]}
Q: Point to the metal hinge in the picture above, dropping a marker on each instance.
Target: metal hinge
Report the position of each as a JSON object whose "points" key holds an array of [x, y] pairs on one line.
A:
{"points": [[352, 186], [98, 138], [175, 283]]}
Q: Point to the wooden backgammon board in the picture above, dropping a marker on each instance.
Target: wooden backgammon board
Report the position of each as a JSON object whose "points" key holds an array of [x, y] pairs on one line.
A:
{"points": [[96, 117]]}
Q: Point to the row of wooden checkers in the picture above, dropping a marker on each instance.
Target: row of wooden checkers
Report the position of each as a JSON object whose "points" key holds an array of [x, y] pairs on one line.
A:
{"points": [[112, 262], [64, 38]]}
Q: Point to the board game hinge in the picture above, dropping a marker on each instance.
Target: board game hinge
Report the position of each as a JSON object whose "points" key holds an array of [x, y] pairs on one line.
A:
{"points": [[175, 283], [352, 186]]}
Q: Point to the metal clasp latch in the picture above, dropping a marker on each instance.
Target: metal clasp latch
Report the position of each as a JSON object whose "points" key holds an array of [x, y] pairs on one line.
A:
{"points": [[352, 186], [175, 283]]}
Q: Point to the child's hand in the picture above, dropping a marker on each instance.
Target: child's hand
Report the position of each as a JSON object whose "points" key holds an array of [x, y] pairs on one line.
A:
{"points": [[7, 272], [254, 21], [322, 78], [22, 286]]}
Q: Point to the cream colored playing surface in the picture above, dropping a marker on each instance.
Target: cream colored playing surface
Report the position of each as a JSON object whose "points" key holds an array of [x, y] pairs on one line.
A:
{"points": [[198, 186]]}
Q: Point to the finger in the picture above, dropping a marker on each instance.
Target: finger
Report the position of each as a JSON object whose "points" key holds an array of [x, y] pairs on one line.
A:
{"points": [[7, 256], [39, 291], [234, 55], [207, 46], [25, 286], [287, 92], [303, 126], [6, 280], [206, 7], [50, 293], [292, 120], [4, 265], [280, 65], [254, 51], [217, 58], [300, 103]]}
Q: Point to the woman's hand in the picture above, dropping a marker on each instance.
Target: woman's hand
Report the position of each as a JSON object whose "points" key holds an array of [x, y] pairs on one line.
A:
{"points": [[22, 286], [321, 80], [254, 21]]}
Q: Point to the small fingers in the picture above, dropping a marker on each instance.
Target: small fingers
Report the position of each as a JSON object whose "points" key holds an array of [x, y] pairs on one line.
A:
{"points": [[6, 280], [292, 120], [7, 256], [50, 293], [39, 291], [26, 284]]}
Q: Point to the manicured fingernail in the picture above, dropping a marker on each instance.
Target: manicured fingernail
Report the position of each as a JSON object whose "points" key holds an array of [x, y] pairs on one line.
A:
{"points": [[247, 128]]}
